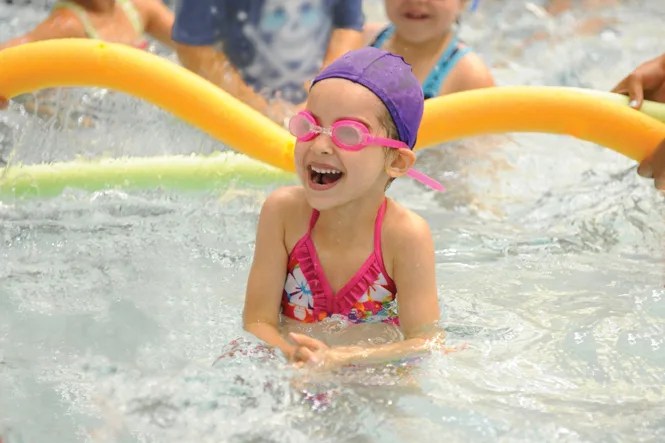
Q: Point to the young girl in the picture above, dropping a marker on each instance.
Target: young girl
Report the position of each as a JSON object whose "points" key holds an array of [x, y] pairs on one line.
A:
{"points": [[336, 250], [121, 21], [423, 32]]}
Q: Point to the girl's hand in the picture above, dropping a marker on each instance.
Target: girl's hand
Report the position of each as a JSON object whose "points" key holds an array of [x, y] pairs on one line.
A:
{"points": [[315, 353], [307, 349]]}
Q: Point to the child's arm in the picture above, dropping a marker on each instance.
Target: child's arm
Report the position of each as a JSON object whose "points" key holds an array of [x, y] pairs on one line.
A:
{"points": [[647, 81], [60, 24], [267, 274], [371, 31], [158, 20], [212, 64], [314, 352], [341, 42], [347, 20], [414, 276]]}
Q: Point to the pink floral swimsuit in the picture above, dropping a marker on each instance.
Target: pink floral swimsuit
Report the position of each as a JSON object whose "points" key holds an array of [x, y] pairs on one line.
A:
{"points": [[369, 296]]}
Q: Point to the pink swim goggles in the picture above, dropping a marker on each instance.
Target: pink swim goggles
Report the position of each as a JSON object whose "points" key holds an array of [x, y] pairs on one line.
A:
{"points": [[351, 135]]}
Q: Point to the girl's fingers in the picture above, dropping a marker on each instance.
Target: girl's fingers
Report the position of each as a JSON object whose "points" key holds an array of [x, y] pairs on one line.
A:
{"points": [[305, 340], [645, 169], [635, 91], [303, 356]]}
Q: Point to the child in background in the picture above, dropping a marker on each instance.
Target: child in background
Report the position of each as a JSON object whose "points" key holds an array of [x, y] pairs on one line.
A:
{"points": [[425, 34], [121, 21], [336, 249], [265, 52]]}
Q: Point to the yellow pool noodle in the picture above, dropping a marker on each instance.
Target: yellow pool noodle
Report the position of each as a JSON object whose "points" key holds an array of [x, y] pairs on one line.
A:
{"points": [[598, 117]]}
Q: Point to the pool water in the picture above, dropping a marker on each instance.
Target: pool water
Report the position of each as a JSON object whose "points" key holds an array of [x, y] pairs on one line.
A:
{"points": [[115, 305]]}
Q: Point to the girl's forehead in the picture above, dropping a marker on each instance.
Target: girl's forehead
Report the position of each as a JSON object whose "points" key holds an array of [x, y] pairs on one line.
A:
{"points": [[335, 98]]}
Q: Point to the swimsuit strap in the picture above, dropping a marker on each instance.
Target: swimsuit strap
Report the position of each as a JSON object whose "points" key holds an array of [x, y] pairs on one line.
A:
{"points": [[453, 53], [312, 221], [82, 15], [133, 15], [383, 36], [377, 229]]}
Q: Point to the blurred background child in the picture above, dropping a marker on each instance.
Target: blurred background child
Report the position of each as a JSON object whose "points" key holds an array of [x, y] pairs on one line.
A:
{"points": [[425, 34], [121, 21], [265, 52]]}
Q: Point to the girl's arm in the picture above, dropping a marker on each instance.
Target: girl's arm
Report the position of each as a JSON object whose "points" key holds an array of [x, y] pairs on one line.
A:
{"points": [[212, 64], [371, 31], [267, 274], [317, 353], [342, 41], [414, 276], [347, 20], [158, 20], [60, 24]]}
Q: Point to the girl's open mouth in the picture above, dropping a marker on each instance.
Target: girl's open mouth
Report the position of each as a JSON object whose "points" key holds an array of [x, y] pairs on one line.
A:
{"points": [[416, 15], [323, 178]]}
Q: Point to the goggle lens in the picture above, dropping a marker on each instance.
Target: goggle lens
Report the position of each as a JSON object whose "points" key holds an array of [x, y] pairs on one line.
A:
{"points": [[348, 136], [300, 126]]}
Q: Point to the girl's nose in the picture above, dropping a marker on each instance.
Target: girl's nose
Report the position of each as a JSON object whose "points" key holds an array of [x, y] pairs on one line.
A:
{"points": [[322, 144]]}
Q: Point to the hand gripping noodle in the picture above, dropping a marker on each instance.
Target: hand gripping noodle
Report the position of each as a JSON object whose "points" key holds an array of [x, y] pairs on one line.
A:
{"points": [[598, 117]]}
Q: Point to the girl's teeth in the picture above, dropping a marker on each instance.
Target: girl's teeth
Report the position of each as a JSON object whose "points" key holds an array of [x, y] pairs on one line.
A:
{"points": [[324, 171]]}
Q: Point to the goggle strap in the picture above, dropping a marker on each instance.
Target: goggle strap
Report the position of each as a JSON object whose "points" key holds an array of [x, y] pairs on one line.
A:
{"points": [[425, 180], [390, 143]]}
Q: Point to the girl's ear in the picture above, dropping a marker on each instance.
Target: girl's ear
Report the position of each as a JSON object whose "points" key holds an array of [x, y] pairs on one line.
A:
{"points": [[398, 161]]}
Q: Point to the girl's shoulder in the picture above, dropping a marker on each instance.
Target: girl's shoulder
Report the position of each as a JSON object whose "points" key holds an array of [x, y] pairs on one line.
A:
{"points": [[287, 196], [404, 235], [287, 208], [401, 224], [287, 201], [470, 72], [148, 7], [62, 22]]}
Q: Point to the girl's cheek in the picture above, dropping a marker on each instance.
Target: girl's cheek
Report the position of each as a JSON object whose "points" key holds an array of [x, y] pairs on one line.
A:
{"points": [[299, 150]]}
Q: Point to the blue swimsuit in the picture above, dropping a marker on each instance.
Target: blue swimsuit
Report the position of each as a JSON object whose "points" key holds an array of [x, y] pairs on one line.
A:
{"points": [[453, 53]]}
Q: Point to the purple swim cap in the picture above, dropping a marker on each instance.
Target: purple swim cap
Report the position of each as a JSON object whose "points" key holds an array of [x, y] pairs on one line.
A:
{"points": [[390, 78]]}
